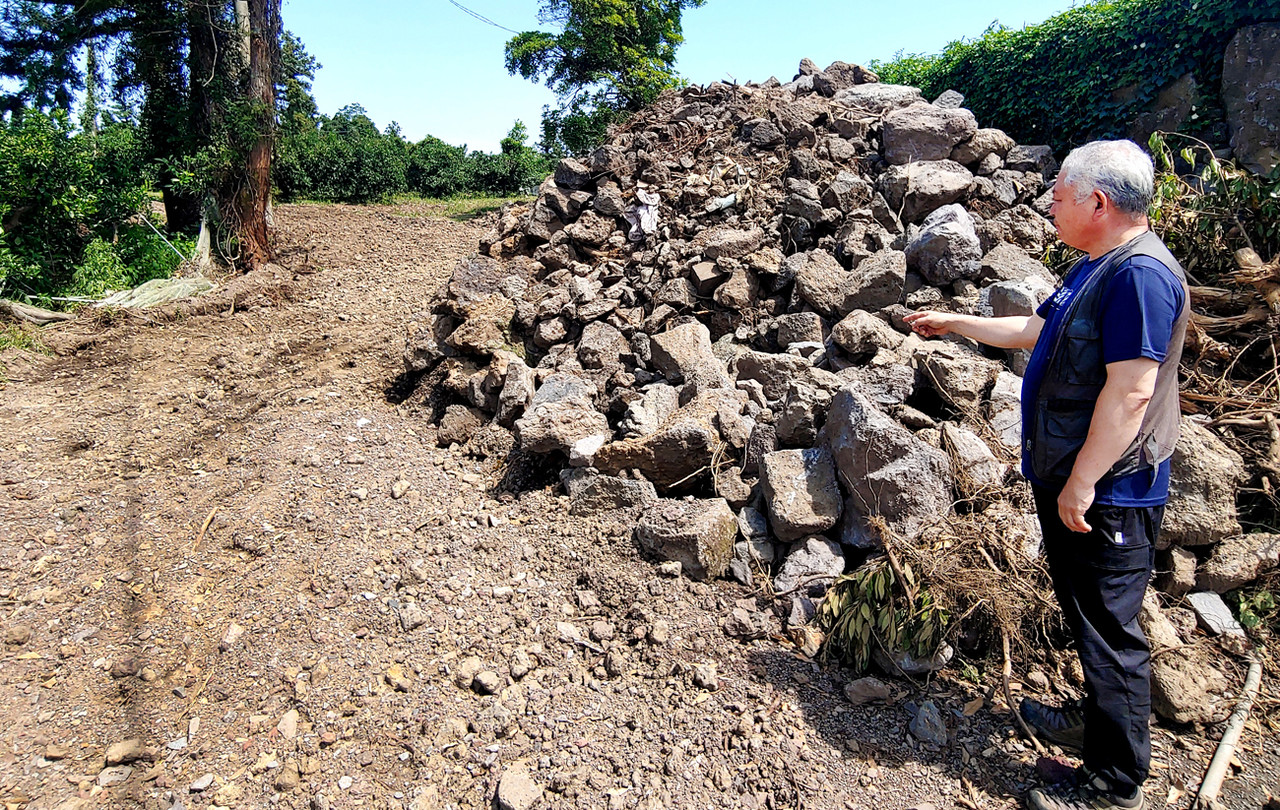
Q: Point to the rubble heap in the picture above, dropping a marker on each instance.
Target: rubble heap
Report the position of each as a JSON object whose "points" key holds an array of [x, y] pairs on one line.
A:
{"points": [[712, 304]]}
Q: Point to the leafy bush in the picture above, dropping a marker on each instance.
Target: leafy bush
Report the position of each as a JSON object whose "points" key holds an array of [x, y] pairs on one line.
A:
{"points": [[139, 256], [1086, 72], [59, 191], [1206, 208], [437, 169]]}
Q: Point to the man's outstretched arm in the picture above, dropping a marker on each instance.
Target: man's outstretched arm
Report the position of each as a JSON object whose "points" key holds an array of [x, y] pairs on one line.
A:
{"points": [[1012, 332]]}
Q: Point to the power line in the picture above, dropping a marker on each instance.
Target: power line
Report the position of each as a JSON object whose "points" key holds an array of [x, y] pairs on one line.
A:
{"points": [[481, 17]]}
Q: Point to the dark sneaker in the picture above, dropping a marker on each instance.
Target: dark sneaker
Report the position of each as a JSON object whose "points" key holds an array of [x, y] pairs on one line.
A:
{"points": [[1061, 726], [1084, 793]]}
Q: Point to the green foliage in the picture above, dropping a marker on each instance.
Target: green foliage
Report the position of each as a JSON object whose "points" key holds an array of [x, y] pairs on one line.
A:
{"points": [[1085, 73], [1258, 609], [614, 56], [1206, 208], [871, 608], [57, 191], [139, 256]]}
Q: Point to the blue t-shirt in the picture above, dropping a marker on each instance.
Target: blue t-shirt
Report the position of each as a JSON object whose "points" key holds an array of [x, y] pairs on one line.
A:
{"points": [[1139, 307]]}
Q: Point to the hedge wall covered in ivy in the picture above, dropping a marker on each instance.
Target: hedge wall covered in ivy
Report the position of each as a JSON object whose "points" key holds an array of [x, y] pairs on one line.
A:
{"points": [[1089, 71]]}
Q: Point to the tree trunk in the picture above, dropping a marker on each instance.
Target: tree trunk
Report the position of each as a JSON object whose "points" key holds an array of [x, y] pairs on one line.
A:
{"points": [[255, 196]]}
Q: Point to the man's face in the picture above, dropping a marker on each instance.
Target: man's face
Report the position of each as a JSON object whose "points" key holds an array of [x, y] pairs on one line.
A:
{"points": [[1071, 219]]}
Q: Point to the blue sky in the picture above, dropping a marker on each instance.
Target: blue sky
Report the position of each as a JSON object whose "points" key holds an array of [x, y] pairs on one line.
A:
{"points": [[438, 71]]}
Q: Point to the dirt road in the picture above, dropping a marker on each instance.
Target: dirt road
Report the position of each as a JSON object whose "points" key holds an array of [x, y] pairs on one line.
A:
{"points": [[237, 571]]}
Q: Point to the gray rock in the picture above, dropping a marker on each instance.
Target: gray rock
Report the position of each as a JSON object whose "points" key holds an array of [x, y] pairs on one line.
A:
{"points": [[776, 372], [801, 492], [812, 564], [1178, 576], [725, 242], [1037, 159], [949, 100], [920, 188], [907, 664], [684, 354], [877, 282], [517, 790], [877, 98], [517, 392], [1237, 561], [558, 426], [846, 192], [928, 726], [571, 174], [601, 346], [888, 471], [748, 625], [961, 375], [1251, 95], [1006, 262], [1187, 685], [426, 346], [860, 333], [803, 412], [1205, 474], [1004, 410], [731, 487], [591, 229], [697, 534], [866, 690], [841, 75], [976, 467], [981, 145], [549, 332], [822, 282], [755, 528], [591, 493], [1017, 297], [1213, 614], [647, 415], [609, 201], [799, 327], [475, 279], [947, 247], [925, 132], [1025, 227], [561, 387], [458, 425], [676, 454], [762, 441]]}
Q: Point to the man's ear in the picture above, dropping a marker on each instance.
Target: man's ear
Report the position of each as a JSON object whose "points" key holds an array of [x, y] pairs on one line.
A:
{"points": [[1099, 202]]}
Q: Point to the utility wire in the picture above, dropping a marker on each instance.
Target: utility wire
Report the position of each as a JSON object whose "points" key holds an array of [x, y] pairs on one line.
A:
{"points": [[481, 17]]}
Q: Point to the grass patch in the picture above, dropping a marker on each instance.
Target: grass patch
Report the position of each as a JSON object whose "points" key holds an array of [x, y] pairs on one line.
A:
{"points": [[458, 209], [13, 336]]}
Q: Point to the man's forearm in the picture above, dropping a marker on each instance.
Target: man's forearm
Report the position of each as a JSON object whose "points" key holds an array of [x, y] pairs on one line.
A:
{"points": [[1004, 333]]}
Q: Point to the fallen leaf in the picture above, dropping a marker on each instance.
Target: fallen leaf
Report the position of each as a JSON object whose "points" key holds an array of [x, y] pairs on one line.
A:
{"points": [[971, 708]]}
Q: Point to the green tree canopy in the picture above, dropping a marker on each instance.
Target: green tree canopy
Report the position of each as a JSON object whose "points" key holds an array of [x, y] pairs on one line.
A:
{"points": [[610, 58]]}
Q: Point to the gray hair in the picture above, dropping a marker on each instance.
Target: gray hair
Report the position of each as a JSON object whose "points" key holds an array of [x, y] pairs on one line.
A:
{"points": [[1119, 169]]}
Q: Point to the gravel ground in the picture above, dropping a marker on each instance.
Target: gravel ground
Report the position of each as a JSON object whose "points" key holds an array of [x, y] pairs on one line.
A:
{"points": [[237, 571]]}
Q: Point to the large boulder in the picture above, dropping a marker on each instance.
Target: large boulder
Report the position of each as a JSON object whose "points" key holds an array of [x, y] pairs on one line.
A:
{"points": [[1006, 262], [725, 242], [673, 455], [1187, 685], [980, 145], [961, 375], [1204, 478], [877, 281], [800, 489], [1251, 95], [877, 98], [552, 426], [823, 283], [776, 372], [977, 468], [698, 534], [918, 189], [861, 333], [925, 132], [889, 472], [947, 247], [1004, 411], [1237, 561], [684, 354]]}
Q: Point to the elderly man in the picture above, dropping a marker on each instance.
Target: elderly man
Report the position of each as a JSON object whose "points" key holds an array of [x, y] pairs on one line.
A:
{"points": [[1099, 420]]}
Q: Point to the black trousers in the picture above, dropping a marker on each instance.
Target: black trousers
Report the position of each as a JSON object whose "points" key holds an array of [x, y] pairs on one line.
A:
{"points": [[1100, 579]]}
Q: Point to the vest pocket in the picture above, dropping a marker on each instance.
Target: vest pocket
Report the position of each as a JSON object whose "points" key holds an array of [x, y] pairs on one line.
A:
{"points": [[1061, 430]]}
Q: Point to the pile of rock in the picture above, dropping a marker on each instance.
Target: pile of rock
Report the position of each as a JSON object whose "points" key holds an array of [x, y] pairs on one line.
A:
{"points": [[712, 305]]}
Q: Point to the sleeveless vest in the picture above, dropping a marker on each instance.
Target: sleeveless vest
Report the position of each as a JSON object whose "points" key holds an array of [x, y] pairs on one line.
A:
{"points": [[1076, 373]]}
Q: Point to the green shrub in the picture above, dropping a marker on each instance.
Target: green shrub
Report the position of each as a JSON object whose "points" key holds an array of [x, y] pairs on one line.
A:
{"points": [[139, 256], [1086, 72], [437, 169]]}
